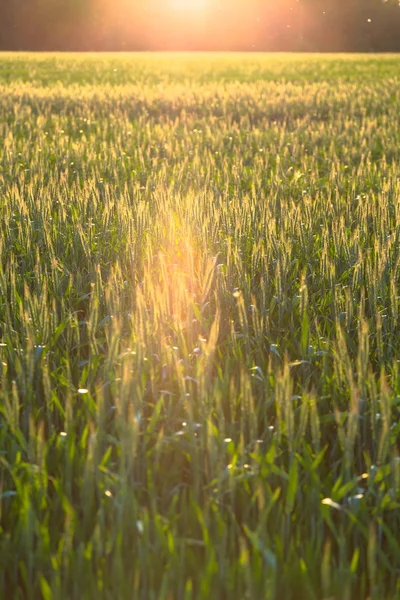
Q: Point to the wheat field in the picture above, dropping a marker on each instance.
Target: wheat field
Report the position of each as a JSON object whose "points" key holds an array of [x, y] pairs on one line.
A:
{"points": [[199, 327]]}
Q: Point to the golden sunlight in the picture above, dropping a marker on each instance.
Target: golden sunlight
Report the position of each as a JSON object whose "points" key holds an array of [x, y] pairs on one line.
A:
{"points": [[188, 4]]}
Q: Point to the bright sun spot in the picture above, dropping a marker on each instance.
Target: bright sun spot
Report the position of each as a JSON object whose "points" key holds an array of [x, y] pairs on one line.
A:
{"points": [[188, 4]]}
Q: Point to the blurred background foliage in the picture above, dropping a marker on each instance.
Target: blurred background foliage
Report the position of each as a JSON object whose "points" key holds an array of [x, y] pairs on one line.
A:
{"points": [[271, 25]]}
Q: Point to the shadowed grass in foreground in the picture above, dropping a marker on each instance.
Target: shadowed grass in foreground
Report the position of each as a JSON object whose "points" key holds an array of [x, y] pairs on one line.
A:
{"points": [[199, 327]]}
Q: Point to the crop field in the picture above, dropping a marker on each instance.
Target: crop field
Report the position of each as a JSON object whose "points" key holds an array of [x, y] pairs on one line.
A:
{"points": [[199, 327]]}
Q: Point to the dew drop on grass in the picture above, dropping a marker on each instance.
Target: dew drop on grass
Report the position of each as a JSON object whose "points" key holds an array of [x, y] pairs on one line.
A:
{"points": [[139, 527], [331, 503]]}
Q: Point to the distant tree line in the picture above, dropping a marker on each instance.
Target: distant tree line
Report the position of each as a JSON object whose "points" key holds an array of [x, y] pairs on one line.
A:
{"points": [[286, 25]]}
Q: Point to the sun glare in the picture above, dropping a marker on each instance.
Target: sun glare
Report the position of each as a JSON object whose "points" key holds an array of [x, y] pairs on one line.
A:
{"points": [[188, 4]]}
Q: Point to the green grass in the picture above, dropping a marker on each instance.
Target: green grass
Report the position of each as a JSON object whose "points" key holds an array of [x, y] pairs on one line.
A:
{"points": [[199, 327]]}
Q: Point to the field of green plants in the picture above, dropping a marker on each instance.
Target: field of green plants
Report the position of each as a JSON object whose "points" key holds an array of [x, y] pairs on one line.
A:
{"points": [[199, 327]]}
